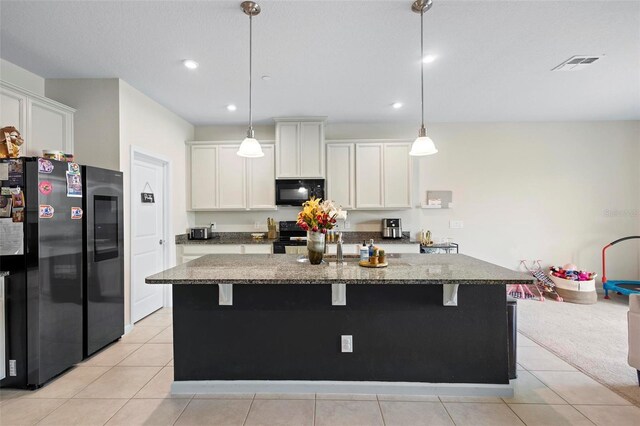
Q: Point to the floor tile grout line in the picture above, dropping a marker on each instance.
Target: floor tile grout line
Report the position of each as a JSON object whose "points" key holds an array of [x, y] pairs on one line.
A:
{"points": [[585, 416], [446, 410], [52, 411], [148, 381], [183, 409], [94, 380], [567, 401], [380, 409], [249, 410], [315, 405], [621, 395], [516, 414]]}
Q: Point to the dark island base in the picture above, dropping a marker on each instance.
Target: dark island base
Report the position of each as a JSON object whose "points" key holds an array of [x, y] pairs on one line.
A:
{"points": [[401, 333]]}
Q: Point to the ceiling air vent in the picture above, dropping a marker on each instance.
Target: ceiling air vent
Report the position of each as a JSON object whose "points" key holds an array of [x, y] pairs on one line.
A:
{"points": [[576, 63]]}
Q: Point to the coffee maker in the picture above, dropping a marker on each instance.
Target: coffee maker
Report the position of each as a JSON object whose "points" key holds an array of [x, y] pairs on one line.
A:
{"points": [[391, 228]]}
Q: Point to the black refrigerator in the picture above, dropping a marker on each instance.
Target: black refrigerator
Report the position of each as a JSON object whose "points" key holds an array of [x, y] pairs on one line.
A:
{"points": [[41, 247], [103, 281]]}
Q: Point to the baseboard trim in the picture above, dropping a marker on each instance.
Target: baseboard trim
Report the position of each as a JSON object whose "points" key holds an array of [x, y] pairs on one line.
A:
{"points": [[303, 386], [127, 329]]}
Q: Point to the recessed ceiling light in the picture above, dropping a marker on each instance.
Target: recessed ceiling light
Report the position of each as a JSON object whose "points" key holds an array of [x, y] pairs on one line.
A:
{"points": [[266, 77], [231, 107], [429, 58], [396, 105], [190, 63]]}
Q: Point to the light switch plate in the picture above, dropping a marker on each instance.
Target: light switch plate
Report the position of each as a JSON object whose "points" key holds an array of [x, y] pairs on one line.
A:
{"points": [[456, 224], [347, 225], [346, 343], [213, 226], [12, 368]]}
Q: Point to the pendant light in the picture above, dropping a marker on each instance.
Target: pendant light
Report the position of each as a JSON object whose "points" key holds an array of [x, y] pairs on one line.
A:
{"points": [[423, 145], [250, 147]]}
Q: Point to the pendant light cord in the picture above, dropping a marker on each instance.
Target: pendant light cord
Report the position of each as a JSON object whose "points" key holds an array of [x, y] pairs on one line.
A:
{"points": [[422, 62], [250, 70]]}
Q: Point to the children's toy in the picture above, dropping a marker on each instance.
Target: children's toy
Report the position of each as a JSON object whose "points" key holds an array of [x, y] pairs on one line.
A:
{"points": [[10, 142], [574, 285], [621, 287], [544, 283]]}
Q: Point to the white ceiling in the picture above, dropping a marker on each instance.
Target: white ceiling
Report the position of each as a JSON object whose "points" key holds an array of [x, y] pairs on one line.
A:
{"points": [[348, 60]]}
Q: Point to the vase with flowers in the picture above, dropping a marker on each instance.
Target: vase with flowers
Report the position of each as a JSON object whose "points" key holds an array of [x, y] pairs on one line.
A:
{"points": [[317, 217]]}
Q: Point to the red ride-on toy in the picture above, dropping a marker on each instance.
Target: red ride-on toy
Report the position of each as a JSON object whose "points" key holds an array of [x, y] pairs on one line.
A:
{"points": [[621, 287]]}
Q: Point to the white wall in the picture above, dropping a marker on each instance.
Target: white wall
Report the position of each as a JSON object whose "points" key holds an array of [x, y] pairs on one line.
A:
{"points": [[20, 77], [96, 121], [551, 191], [146, 124]]}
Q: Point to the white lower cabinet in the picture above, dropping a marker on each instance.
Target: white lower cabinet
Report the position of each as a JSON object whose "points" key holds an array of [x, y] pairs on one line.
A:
{"points": [[221, 180], [187, 252]]}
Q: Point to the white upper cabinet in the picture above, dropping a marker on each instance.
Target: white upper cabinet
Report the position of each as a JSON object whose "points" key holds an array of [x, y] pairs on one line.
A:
{"points": [[299, 147], [369, 175], [262, 182], [397, 175], [13, 110], [288, 150], [43, 123], [222, 180], [204, 181], [383, 175], [341, 173], [312, 149], [232, 193]]}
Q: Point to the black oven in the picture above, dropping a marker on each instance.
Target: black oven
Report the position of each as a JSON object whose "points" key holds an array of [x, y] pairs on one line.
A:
{"points": [[291, 238], [294, 192]]}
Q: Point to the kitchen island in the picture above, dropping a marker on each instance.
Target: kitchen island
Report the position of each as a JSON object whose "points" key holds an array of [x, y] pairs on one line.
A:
{"points": [[433, 324]]}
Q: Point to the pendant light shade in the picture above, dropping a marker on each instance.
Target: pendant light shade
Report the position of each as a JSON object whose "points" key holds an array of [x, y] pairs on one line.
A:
{"points": [[423, 145], [250, 147]]}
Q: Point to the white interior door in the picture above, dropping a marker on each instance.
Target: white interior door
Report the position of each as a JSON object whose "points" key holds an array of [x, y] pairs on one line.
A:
{"points": [[147, 236]]}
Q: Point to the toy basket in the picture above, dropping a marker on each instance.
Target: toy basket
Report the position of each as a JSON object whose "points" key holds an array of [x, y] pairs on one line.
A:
{"points": [[581, 292]]}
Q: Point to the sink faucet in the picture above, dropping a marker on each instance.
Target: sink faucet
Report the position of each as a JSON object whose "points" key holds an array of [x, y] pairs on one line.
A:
{"points": [[339, 256]]}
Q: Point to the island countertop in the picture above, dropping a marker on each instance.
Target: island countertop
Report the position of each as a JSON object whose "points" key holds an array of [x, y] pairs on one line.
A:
{"points": [[434, 269]]}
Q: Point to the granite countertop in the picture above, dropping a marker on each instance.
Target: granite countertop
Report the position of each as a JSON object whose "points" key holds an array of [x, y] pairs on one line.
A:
{"points": [[285, 269], [246, 238]]}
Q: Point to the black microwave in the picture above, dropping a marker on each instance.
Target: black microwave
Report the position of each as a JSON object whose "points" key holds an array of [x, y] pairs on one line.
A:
{"points": [[294, 192]]}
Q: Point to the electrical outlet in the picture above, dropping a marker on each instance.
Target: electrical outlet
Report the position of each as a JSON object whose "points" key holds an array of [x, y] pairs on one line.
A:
{"points": [[456, 224], [213, 226], [256, 225], [12, 368], [347, 225], [346, 343]]}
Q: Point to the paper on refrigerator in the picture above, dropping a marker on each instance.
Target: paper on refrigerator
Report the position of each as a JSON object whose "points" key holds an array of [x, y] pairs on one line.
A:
{"points": [[11, 237]]}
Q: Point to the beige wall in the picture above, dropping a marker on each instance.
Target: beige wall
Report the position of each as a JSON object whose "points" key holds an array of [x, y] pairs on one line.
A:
{"points": [[146, 124], [551, 191], [96, 121], [20, 77]]}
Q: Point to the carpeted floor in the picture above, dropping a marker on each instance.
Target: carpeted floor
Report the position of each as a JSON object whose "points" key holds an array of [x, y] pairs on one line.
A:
{"points": [[593, 338]]}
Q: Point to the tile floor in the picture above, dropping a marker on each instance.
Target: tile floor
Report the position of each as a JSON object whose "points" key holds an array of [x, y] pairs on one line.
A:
{"points": [[128, 384]]}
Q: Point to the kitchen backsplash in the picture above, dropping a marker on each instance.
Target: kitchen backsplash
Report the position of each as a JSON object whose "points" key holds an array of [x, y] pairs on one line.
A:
{"points": [[363, 221]]}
